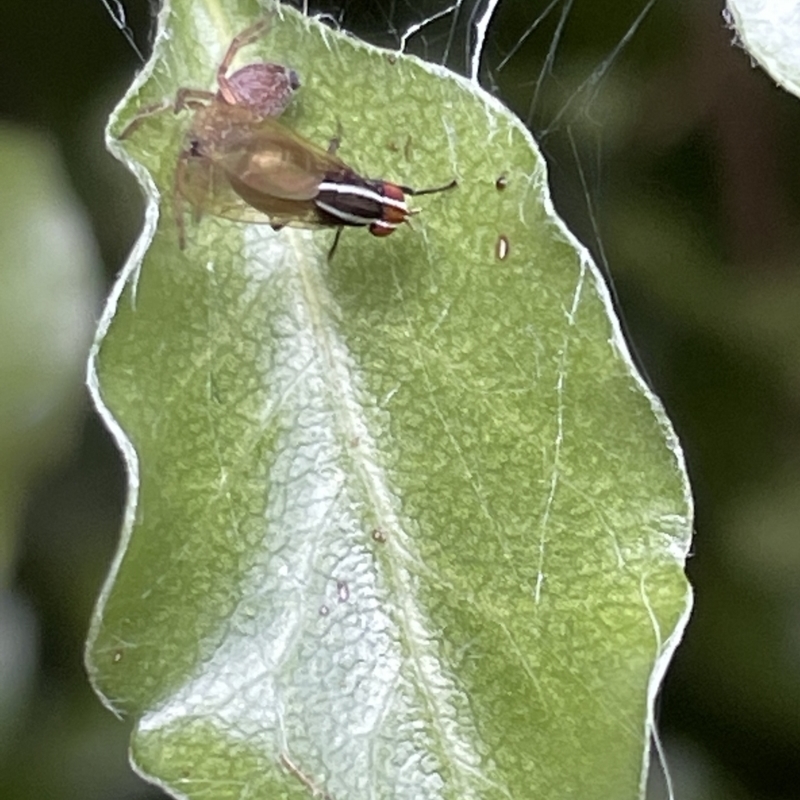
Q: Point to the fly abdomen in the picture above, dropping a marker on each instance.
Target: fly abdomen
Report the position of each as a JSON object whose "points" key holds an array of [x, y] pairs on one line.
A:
{"points": [[348, 199]]}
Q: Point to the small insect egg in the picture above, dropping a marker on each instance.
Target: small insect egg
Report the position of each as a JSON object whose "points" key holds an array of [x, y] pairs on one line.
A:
{"points": [[501, 183], [342, 591], [392, 59], [324, 611], [501, 247], [117, 657]]}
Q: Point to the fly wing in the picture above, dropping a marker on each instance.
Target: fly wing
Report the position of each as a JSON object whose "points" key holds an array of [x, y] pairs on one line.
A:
{"points": [[210, 190], [272, 161]]}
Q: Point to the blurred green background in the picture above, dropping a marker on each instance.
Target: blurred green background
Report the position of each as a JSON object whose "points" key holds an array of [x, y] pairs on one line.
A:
{"points": [[673, 159]]}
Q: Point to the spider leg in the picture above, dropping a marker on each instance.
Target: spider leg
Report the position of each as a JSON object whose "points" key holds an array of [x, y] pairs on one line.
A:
{"points": [[246, 37], [184, 98], [142, 115], [191, 98], [177, 200]]}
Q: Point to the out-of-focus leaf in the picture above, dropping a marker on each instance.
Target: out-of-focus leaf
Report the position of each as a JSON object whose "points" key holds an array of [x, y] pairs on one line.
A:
{"points": [[402, 525], [48, 292]]}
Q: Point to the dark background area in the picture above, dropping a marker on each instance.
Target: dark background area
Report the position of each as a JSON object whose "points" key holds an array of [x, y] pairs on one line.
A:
{"points": [[680, 170]]}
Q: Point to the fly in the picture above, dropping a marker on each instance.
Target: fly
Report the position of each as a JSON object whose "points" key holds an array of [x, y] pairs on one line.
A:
{"points": [[239, 163]]}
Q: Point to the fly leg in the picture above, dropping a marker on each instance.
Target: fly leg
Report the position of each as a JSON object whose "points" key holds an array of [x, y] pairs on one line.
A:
{"points": [[335, 242], [335, 141]]}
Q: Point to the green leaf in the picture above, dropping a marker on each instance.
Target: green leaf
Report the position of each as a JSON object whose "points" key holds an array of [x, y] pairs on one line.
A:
{"points": [[402, 525]]}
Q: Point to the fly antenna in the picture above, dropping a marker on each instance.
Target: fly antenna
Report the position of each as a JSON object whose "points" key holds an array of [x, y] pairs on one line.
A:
{"points": [[433, 190]]}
